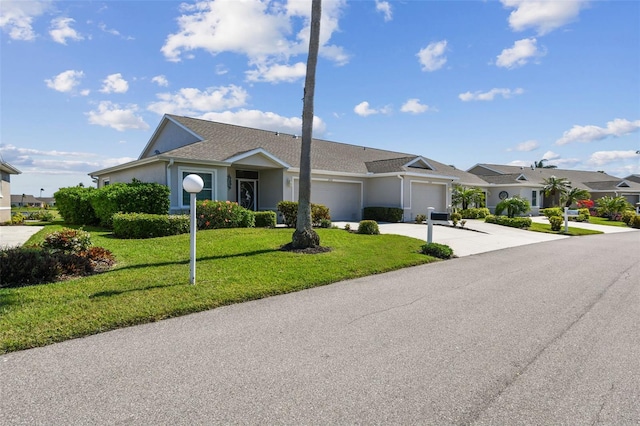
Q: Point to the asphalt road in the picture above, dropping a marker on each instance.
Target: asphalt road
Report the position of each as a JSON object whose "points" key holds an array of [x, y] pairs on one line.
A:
{"points": [[547, 333]]}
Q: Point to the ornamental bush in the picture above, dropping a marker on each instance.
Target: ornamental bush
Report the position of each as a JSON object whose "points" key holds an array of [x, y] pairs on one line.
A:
{"points": [[134, 197], [74, 205], [368, 227], [67, 241], [266, 219], [420, 218], [223, 214], [627, 216], [455, 218], [441, 251], [552, 211], [144, 225], [556, 223], [17, 219], [635, 222], [383, 214]]}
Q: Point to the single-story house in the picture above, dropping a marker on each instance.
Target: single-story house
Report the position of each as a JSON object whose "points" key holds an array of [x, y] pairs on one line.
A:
{"points": [[6, 170], [527, 182], [26, 200], [259, 168]]}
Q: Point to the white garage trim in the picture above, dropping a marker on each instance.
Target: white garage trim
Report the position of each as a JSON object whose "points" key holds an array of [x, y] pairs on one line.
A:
{"points": [[411, 182]]}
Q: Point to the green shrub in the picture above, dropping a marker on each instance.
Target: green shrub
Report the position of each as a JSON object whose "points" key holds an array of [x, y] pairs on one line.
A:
{"points": [[17, 219], [552, 211], [134, 197], [223, 214], [420, 218], [289, 211], [475, 213], [144, 225], [325, 223], [635, 222], [369, 227], [42, 215], [441, 251], [383, 214], [265, 219], [513, 222], [74, 205], [455, 218], [513, 205], [556, 223], [627, 216], [67, 241]]}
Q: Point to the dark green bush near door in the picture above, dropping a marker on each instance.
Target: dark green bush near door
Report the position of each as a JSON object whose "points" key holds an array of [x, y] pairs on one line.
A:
{"points": [[74, 205], [383, 214], [266, 219], [143, 225]]}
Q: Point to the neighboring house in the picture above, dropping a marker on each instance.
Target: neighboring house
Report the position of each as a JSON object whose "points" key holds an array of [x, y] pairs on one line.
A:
{"points": [[527, 182], [25, 200], [259, 168], [633, 178], [6, 170]]}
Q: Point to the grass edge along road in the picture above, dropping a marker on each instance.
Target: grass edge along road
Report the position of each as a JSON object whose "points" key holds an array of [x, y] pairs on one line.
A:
{"points": [[150, 282]]}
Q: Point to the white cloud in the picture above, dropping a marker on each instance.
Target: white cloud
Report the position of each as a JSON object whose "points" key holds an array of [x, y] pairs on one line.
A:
{"points": [[61, 30], [432, 57], [385, 8], [490, 95], [542, 15], [66, 81], [414, 106], [112, 115], [189, 101], [618, 127], [114, 83], [264, 33], [265, 120], [600, 158], [520, 54], [363, 109], [526, 146], [277, 73], [16, 17], [550, 155], [160, 80]]}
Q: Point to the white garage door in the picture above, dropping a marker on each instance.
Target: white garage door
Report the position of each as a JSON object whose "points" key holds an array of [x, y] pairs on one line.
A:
{"points": [[342, 198], [425, 195]]}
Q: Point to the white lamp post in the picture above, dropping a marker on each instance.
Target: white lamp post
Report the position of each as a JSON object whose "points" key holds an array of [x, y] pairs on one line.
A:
{"points": [[193, 184]]}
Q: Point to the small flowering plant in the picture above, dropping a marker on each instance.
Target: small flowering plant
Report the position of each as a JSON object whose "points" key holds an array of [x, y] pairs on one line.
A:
{"points": [[585, 204], [67, 241], [223, 214]]}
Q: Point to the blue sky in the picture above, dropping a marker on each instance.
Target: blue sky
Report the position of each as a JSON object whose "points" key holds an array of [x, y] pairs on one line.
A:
{"points": [[85, 83]]}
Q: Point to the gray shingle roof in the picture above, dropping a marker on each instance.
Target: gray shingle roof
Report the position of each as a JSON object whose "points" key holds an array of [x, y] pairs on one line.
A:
{"points": [[222, 141]]}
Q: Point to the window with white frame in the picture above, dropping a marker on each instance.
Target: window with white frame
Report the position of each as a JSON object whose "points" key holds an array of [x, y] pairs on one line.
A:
{"points": [[207, 193], [534, 198]]}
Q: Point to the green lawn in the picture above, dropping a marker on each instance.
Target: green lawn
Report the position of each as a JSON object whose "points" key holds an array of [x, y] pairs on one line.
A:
{"points": [[604, 221], [151, 279], [546, 228]]}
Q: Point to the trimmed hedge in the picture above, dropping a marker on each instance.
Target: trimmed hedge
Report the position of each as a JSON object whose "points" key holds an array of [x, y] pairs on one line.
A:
{"points": [[552, 211], [556, 223], [266, 219], [383, 214], [441, 251], [368, 227], [289, 211], [475, 213], [74, 205], [134, 197], [145, 225], [514, 222]]}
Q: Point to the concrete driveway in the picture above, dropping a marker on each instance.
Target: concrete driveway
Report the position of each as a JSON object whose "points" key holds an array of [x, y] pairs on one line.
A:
{"points": [[11, 236]]}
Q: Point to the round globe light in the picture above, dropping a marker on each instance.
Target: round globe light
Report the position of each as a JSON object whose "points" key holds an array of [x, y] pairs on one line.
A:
{"points": [[193, 184]]}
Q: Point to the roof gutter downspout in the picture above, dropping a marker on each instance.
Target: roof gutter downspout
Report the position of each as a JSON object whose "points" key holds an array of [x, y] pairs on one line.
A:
{"points": [[402, 195], [169, 179]]}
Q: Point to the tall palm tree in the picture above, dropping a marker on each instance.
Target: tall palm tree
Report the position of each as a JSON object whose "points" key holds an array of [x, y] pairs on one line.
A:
{"points": [[304, 236], [556, 188], [575, 194]]}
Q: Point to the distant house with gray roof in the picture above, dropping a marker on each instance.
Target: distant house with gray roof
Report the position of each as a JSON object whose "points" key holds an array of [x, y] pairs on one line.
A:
{"points": [[259, 168], [527, 182], [6, 170]]}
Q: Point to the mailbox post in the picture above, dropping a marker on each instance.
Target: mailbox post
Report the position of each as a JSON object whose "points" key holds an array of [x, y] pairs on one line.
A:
{"points": [[192, 184], [430, 224]]}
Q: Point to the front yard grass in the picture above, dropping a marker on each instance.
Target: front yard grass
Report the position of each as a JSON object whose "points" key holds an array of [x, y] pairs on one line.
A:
{"points": [[546, 228], [604, 221], [151, 279]]}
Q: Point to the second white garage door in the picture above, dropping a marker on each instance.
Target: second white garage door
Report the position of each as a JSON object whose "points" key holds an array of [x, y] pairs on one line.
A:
{"points": [[425, 195], [344, 199]]}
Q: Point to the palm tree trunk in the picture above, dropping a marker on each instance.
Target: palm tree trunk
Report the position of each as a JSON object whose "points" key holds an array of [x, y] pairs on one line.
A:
{"points": [[304, 236]]}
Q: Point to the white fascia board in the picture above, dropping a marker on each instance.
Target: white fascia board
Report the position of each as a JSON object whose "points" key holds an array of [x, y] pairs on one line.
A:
{"points": [[329, 172], [422, 160], [258, 151], [8, 168]]}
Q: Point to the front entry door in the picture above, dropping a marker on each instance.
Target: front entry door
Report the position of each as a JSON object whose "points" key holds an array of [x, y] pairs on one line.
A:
{"points": [[248, 193]]}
